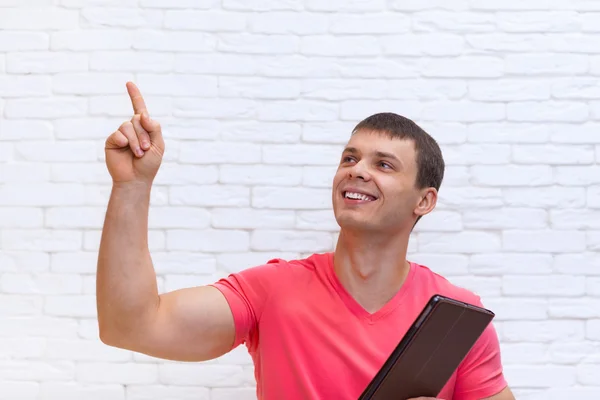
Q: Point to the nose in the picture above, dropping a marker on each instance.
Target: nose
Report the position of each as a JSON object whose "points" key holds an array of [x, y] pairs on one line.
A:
{"points": [[359, 171]]}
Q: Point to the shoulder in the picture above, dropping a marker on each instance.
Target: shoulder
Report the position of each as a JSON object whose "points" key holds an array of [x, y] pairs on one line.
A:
{"points": [[281, 269], [435, 282]]}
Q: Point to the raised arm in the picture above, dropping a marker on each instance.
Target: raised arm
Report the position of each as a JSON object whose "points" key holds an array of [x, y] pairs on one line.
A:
{"points": [[192, 324]]}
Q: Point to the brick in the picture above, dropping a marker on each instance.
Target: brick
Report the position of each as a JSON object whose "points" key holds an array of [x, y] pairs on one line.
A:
{"points": [[266, 132], [23, 348], [577, 264], [463, 111], [335, 89], [440, 221], [55, 107], [181, 174], [412, 89], [593, 240], [17, 305], [510, 5], [56, 151], [207, 196], [481, 286], [208, 240], [39, 18], [316, 220], [546, 64], [509, 90], [510, 263], [577, 134], [543, 241], [235, 262], [469, 197], [22, 129], [469, 154], [543, 331], [575, 219], [243, 393], [220, 152], [575, 308], [23, 41], [77, 306], [301, 154], [423, 44], [577, 175], [503, 132], [588, 374], [593, 286], [258, 43], [20, 390], [511, 175], [258, 88], [73, 262], [443, 264], [91, 39], [183, 263], [464, 67], [249, 218], [84, 350], [87, 3], [36, 239], [551, 196], [122, 373], [557, 285], [330, 46], [320, 177], [524, 353], [578, 43], [76, 391], [374, 68], [205, 20], [24, 261], [507, 309], [27, 370], [147, 392], [553, 111], [539, 21], [17, 217], [505, 218], [222, 64], [290, 198], [419, 5], [538, 376], [287, 23], [461, 242], [124, 61], [201, 375], [298, 110], [575, 88], [214, 108], [100, 17], [74, 217], [263, 5], [260, 175], [279, 240], [113, 105], [452, 20], [553, 154], [200, 4], [369, 24], [178, 85], [20, 283], [24, 172], [346, 5], [155, 40], [526, 43], [25, 86], [90, 83], [356, 110]]}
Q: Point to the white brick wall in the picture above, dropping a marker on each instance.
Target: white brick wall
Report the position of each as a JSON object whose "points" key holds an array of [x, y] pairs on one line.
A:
{"points": [[257, 98]]}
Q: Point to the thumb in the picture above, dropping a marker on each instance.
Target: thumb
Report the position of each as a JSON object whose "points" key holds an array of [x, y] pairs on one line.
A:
{"points": [[152, 127]]}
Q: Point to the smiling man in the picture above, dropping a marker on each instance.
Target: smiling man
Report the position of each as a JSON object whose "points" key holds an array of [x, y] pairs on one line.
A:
{"points": [[316, 328]]}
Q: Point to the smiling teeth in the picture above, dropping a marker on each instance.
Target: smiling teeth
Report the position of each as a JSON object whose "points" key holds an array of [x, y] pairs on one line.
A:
{"points": [[357, 196]]}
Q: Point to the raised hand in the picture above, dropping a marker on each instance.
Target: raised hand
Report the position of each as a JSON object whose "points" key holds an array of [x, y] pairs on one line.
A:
{"points": [[134, 152]]}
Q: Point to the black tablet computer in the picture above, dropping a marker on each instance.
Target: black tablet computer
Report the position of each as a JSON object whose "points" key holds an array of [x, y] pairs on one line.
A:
{"points": [[432, 349]]}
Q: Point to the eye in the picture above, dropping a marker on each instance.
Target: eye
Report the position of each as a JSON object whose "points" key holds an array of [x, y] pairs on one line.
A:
{"points": [[384, 164], [347, 159]]}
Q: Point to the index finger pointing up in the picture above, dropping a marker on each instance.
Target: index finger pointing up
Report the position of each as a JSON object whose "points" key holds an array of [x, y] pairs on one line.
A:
{"points": [[137, 101]]}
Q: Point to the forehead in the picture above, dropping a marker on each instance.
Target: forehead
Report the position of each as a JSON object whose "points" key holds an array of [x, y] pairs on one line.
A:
{"points": [[369, 142]]}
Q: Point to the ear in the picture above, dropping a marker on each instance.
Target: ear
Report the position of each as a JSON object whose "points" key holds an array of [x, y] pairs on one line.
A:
{"points": [[427, 202]]}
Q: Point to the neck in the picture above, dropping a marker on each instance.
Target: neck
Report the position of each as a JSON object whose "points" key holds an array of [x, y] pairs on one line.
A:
{"points": [[371, 267]]}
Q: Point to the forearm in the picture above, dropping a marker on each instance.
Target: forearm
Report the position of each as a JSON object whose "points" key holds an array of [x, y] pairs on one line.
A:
{"points": [[126, 287]]}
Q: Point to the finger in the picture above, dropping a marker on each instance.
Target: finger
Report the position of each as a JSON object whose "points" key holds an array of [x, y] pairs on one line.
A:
{"points": [[116, 141], [137, 101], [134, 144], [152, 127], [142, 134]]}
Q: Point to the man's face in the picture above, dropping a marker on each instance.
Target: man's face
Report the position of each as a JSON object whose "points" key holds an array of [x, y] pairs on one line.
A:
{"points": [[374, 186]]}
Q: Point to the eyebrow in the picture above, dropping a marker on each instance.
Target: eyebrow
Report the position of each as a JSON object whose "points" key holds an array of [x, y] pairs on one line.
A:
{"points": [[382, 154]]}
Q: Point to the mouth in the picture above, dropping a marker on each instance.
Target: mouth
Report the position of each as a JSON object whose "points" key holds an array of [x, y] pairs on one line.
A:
{"points": [[354, 196]]}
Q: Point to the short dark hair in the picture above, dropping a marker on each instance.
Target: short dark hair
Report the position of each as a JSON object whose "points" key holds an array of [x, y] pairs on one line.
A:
{"points": [[430, 161]]}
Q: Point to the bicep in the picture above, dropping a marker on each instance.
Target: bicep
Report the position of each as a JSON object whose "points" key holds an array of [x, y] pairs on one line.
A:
{"points": [[192, 324]]}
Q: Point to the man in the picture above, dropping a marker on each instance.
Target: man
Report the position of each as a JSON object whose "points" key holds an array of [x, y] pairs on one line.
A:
{"points": [[316, 328]]}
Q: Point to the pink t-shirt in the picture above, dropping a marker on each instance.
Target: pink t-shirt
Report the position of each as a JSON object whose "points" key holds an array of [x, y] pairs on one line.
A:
{"points": [[309, 339]]}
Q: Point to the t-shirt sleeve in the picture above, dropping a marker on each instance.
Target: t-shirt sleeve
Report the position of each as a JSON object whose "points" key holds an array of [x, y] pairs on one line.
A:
{"points": [[247, 292], [480, 375]]}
